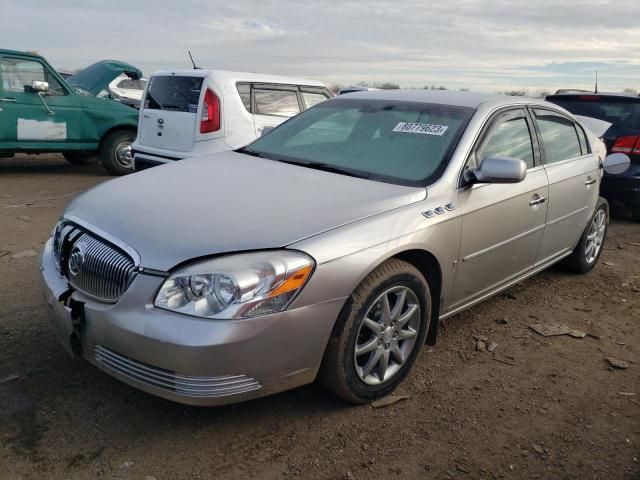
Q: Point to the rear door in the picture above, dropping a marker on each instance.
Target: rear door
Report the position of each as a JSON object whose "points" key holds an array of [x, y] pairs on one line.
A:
{"points": [[273, 104], [574, 179], [502, 224], [25, 121], [169, 112]]}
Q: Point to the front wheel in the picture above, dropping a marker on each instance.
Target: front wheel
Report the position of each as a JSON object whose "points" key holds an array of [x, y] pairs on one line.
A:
{"points": [[587, 252], [115, 152], [379, 334]]}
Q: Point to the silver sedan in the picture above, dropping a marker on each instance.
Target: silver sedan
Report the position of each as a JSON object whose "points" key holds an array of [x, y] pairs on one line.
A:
{"points": [[327, 249]]}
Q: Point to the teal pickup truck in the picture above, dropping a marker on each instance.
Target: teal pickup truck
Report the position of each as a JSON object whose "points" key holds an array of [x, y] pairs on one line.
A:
{"points": [[40, 112]]}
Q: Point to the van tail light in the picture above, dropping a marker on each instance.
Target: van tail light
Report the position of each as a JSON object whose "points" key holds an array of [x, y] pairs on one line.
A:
{"points": [[628, 145], [210, 120]]}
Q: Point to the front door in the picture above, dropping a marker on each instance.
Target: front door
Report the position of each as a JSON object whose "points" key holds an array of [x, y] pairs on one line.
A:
{"points": [[574, 178], [502, 224], [25, 121]]}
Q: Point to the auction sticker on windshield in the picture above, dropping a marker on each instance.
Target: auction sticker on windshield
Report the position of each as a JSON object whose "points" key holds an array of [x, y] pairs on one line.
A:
{"points": [[422, 128]]}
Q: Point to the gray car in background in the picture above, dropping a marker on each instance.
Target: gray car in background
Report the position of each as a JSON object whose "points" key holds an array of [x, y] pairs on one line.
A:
{"points": [[327, 249]]}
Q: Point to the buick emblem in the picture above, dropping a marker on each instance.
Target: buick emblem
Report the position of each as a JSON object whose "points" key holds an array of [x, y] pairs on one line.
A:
{"points": [[160, 123], [76, 259]]}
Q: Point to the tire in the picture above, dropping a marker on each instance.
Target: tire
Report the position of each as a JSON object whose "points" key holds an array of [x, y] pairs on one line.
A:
{"points": [[583, 259], [113, 150], [635, 213], [345, 373], [81, 158]]}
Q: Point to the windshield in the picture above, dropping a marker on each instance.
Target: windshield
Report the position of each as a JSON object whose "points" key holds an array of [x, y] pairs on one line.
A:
{"points": [[622, 113], [398, 142]]}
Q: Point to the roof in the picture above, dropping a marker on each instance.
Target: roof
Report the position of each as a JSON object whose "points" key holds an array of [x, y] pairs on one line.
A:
{"points": [[17, 52], [445, 97], [225, 76], [576, 93]]}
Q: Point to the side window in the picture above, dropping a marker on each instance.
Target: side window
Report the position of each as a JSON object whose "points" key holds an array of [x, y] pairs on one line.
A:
{"points": [[582, 138], [313, 98], [509, 137], [244, 90], [559, 137], [18, 74], [283, 103]]}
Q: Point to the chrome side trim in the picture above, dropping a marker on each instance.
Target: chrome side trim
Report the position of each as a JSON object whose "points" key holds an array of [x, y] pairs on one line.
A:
{"points": [[502, 244], [570, 214], [511, 283]]}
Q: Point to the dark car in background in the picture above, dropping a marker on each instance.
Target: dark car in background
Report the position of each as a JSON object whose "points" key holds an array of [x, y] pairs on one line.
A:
{"points": [[623, 112]]}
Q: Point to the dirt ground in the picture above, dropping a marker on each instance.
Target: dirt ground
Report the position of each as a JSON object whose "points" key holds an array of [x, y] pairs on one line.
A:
{"points": [[537, 408]]}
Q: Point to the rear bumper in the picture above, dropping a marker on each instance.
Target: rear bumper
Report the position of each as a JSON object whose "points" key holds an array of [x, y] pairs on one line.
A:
{"points": [[143, 160]]}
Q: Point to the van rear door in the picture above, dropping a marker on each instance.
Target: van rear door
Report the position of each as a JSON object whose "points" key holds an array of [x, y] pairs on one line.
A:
{"points": [[169, 114]]}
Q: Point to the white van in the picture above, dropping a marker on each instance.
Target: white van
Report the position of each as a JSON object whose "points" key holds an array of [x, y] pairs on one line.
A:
{"points": [[192, 112]]}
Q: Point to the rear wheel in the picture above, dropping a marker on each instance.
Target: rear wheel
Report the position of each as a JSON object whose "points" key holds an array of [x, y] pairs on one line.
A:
{"points": [[81, 158], [382, 329], [115, 152], [587, 252]]}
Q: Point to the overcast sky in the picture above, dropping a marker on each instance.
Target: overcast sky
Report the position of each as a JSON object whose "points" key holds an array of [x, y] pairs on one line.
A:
{"points": [[485, 45]]}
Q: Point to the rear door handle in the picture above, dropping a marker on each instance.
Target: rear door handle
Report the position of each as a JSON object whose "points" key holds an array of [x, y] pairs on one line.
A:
{"points": [[8, 100], [537, 201], [590, 181]]}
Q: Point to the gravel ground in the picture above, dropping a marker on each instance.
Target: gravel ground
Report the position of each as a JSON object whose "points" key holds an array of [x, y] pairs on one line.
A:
{"points": [[538, 407]]}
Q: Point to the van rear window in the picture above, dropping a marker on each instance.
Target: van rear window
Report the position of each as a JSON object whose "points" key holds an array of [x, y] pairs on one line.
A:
{"points": [[172, 93]]}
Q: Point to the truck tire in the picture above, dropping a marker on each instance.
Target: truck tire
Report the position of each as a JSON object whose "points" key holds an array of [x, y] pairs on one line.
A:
{"points": [[81, 158], [115, 152]]}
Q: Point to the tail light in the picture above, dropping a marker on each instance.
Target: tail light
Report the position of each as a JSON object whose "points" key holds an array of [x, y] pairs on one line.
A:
{"points": [[210, 120], [630, 144]]}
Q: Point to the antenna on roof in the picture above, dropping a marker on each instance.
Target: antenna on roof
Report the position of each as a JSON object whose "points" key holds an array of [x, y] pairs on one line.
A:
{"points": [[596, 89], [192, 62]]}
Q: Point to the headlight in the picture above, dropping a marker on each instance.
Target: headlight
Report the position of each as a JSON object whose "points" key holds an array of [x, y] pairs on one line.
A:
{"points": [[236, 286]]}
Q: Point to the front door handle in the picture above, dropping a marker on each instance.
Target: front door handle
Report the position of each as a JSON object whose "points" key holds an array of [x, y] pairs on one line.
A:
{"points": [[590, 181], [537, 201], [8, 100]]}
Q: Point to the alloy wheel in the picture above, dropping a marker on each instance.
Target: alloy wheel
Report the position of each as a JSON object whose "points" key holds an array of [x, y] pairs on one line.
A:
{"points": [[387, 335], [595, 237]]}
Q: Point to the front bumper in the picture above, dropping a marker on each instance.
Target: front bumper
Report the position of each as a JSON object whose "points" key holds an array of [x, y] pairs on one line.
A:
{"points": [[187, 359]]}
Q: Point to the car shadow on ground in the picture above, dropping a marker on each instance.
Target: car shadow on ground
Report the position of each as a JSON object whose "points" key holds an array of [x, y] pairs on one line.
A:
{"points": [[49, 164]]}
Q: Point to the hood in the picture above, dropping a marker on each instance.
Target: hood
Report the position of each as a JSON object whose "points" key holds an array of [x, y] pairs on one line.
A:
{"points": [[229, 202], [97, 77]]}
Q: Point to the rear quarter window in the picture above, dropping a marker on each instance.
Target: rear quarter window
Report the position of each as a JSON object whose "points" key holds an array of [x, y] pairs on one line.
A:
{"points": [[173, 93]]}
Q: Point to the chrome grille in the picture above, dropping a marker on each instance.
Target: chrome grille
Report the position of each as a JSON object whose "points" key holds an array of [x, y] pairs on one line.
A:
{"points": [[92, 265], [190, 386]]}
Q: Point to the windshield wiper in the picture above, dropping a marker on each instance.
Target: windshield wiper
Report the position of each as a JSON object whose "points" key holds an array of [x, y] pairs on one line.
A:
{"points": [[325, 167], [246, 151]]}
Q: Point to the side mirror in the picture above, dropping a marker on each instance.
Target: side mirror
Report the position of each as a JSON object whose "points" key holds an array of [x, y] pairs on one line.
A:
{"points": [[39, 86], [616, 163], [498, 169]]}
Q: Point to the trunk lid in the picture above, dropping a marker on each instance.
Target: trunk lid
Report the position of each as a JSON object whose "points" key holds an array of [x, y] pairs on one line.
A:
{"points": [[168, 118]]}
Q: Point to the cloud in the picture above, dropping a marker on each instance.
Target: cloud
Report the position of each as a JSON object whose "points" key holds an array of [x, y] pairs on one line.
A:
{"points": [[459, 43]]}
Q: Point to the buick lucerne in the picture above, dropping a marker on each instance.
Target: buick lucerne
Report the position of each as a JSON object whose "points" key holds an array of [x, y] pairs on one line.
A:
{"points": [[328, 248]]}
